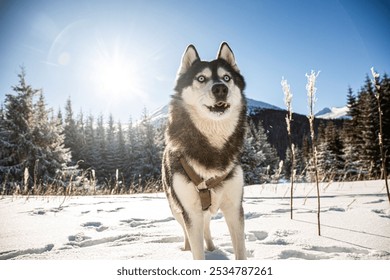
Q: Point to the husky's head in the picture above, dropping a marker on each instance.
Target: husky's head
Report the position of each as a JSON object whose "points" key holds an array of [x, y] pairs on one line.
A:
{"points": [[210, 89]]}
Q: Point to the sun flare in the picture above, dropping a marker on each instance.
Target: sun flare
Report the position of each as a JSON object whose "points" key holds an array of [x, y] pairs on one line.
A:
{"points": [[114, 74]]}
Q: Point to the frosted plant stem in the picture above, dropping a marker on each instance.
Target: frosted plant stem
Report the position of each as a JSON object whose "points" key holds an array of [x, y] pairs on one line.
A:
{"points": [[311, 90], [287, 101]]}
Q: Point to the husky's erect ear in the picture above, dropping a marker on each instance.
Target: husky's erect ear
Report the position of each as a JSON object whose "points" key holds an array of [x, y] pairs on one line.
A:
{"points": [[189, 57], [225, 52]]}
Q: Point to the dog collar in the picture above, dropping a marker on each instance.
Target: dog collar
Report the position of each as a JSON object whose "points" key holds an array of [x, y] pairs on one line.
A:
{"points": [[202, 186]]}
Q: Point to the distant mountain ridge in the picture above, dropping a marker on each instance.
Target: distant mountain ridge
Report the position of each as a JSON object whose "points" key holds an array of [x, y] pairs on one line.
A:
{"points": [[159, 116], [255, 104], [333, 113]]}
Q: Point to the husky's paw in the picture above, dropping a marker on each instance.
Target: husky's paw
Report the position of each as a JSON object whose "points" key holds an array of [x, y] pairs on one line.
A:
{"points": [[187, 246], [210, 246]]}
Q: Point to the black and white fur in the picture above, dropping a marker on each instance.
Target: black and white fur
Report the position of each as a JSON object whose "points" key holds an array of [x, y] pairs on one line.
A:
{"points": [[206, 126]]}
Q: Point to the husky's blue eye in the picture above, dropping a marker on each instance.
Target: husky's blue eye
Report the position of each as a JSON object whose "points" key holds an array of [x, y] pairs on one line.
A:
{"points": [[201, 79], [226, 78]]}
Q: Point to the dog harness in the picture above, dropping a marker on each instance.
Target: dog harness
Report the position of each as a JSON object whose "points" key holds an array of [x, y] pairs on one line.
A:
{"points": [[202, 186]]}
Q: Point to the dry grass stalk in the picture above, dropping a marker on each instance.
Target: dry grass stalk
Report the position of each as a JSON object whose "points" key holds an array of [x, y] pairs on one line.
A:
{"points": [[287, 101], [311, 91]]}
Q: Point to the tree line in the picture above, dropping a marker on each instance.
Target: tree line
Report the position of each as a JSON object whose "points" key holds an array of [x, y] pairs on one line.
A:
{"points": [[349, 149], [40, 148]]}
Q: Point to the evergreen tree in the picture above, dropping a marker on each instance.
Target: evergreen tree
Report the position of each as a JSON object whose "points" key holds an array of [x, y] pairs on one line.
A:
{"points": [[368, 128], [351, 103], [323, 154], [111, 160], [49, 153], [121, 152], [259, 158], [251, 160], [89, 151], [130, 164], [149, 159], [101, 165], [337, 148], [305, 156], [72, 134], [16, 131], [352, 139], [60, 118], [361, 149], [81, 152], [29, 139], [60, 156], [330, 153]]}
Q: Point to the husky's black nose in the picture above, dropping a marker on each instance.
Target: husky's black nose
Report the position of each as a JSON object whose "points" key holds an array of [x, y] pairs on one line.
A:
{"points": [[220, 91]]}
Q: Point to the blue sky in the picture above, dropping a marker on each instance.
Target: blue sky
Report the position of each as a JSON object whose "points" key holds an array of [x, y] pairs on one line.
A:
{"points": [[121, 56]]}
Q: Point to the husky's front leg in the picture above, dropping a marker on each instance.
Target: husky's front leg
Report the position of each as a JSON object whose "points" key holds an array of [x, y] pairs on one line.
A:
{"points": [[233, 211], [192, 214], [194, 228], [206, 230], [235, 220]]}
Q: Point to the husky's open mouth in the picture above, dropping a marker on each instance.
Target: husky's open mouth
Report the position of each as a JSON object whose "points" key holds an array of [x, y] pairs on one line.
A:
{"points": [[219, 107]]}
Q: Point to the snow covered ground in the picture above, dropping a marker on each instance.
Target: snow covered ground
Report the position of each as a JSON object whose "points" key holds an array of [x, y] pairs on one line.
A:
{"points": [[355, 225]]}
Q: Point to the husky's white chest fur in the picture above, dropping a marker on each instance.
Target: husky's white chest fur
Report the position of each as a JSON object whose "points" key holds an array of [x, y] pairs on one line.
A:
{"points": [[204, 137]]}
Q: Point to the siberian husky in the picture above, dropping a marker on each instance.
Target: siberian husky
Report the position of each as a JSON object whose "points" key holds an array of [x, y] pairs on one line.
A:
{"points": [[204, 138]]}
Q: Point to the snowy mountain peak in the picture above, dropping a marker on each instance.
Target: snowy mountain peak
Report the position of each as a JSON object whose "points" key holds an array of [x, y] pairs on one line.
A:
{"points": [[254, 104], [324, 111], [333, 113], [158, 116]]}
